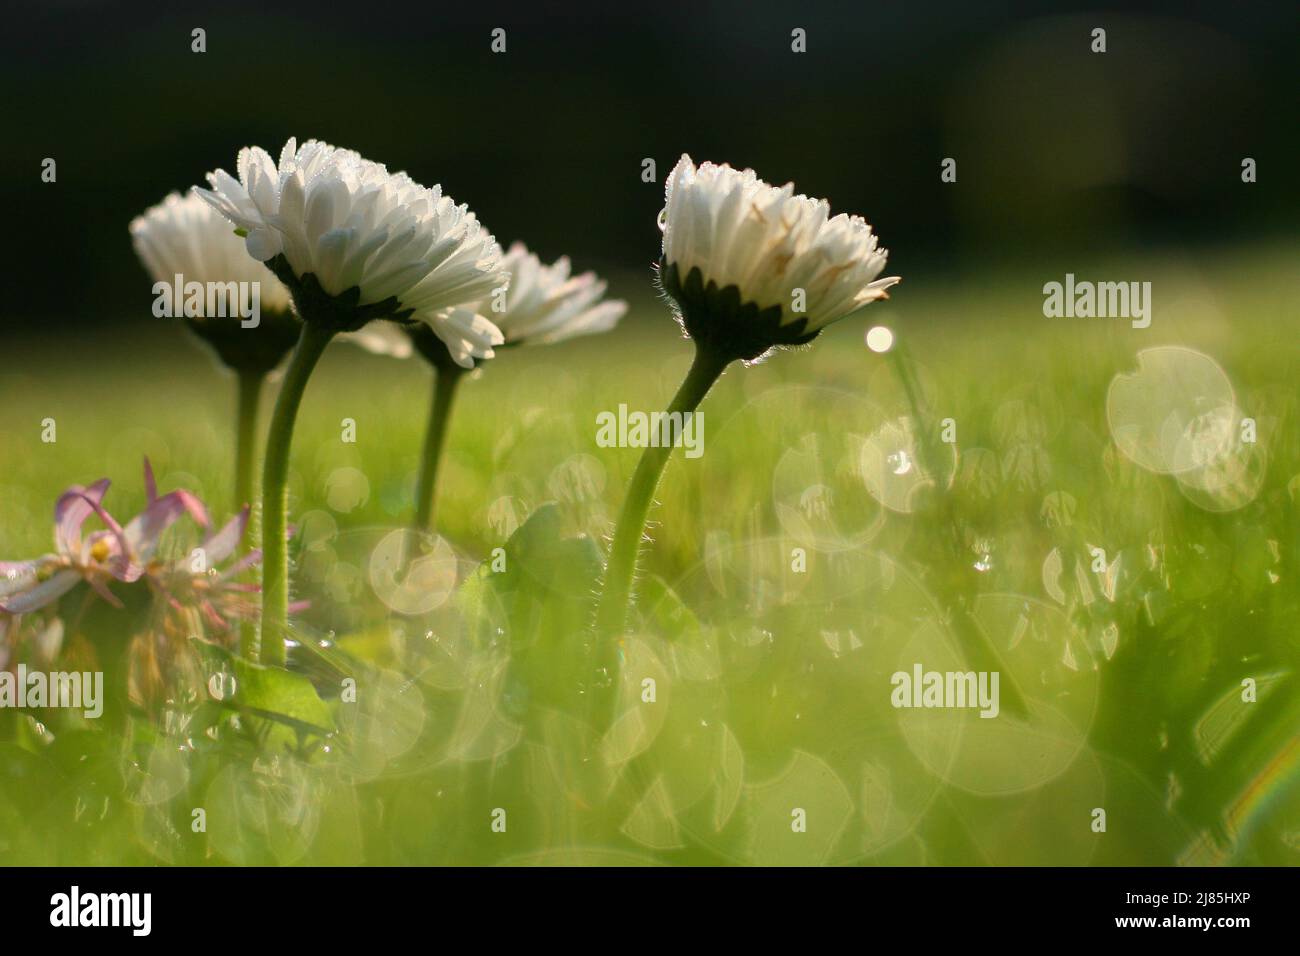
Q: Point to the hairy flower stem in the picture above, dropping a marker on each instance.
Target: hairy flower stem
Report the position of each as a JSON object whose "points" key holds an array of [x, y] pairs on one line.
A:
{"points": [[247, 401], [445, 379], [275, 493], [611, 617]]}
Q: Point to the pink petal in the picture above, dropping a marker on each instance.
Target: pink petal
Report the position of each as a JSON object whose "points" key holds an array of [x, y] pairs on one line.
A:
{"points": [[150, 486], [43, 594], [223, 543], [213, 617], [121, 563], [247, 561], [95, 537], [71, 511], [101, 588], [15, 576], [143, 531]]}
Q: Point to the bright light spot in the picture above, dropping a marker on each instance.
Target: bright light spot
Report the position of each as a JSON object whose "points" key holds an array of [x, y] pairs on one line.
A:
{"points": [[880, 339]]}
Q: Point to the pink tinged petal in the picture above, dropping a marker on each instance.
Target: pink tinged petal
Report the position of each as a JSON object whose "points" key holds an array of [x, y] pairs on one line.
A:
{"points": [[71, 511], [223, 543], [150, 486], [113, 548], [247, 561], [297, 607], [16, 576], [43, 594], [213, 617], [120, 564], [143, 531], [600, 318], [101, 588]]}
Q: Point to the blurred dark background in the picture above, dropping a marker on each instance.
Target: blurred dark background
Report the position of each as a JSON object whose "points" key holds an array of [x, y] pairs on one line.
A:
{"points": [[1060, 151]]}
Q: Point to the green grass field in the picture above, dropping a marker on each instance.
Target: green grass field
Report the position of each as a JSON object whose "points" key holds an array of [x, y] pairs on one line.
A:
{"points": [[795, 565]]}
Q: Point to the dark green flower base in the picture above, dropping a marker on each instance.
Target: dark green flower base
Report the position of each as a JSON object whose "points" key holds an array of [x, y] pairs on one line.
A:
{"points": [[256, 350], [338, 313], [719, 321]]}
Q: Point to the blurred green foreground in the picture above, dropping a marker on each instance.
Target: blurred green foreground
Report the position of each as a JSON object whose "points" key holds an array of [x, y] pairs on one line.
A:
{"points": [[1122, 579]]}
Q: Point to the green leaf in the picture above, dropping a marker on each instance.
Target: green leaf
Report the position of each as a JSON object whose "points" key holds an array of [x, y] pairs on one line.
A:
{"points": [[270, 692], [548, 592], [276, 693], [692, 647], [546, 573], [541, 562]]}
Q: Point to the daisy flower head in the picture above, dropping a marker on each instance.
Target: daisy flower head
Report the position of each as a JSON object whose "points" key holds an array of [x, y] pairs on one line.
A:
{"points": [[752, 266], [354, 242], [541, 305], [545, 304], [185, 237]]}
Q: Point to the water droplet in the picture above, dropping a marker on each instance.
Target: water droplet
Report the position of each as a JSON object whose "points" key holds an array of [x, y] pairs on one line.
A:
{"points": [[899, 462]]}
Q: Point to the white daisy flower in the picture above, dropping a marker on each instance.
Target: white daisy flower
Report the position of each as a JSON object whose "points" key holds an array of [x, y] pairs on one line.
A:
{"points": [[355, 242], [186, 236], [542, 305], [546, 304], [753, 265]]}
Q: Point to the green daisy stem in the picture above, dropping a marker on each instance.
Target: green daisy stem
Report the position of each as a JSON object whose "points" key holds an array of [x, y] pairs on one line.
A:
{"points": [[445, 379], [248, 398], [611, 616], [275, 492]]}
